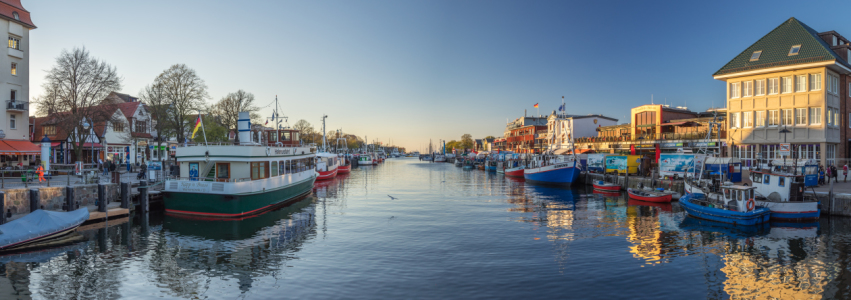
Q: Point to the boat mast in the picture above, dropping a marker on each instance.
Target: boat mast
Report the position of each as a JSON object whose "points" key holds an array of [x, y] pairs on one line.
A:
{"points": [[324, 146]]}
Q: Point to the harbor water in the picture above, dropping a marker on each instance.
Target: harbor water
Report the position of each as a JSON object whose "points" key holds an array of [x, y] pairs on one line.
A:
{"points": [[408, 229]]}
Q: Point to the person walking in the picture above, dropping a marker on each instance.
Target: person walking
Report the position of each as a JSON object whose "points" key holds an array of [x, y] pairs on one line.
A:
{"points": [[845, 172], [40, 172], [829, 174], [821, 175], [835, 173]]}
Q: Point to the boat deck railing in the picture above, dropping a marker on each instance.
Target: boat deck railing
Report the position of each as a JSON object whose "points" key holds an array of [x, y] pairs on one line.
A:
{"points": [[209, 179]]}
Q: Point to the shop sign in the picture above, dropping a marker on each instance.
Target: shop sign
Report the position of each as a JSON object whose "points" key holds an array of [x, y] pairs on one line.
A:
{"points": [[705, 144], [142, 143], [645, 146], [674, 145]]}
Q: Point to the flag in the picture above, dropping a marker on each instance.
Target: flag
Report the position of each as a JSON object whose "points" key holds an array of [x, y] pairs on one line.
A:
{"points": [[536, 105], [561, 108], [197, 125], [267, 122]]}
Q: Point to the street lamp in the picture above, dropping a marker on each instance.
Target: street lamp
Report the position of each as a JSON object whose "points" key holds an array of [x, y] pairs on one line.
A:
{"points": [[784, 132]]}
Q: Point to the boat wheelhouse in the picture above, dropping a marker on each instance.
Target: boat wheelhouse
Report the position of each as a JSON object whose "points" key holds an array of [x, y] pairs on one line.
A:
{"points": [[732, 204], [782, 187]]}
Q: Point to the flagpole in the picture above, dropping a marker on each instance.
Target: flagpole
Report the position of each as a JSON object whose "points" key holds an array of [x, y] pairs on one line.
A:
{"points": [[202, 128]]}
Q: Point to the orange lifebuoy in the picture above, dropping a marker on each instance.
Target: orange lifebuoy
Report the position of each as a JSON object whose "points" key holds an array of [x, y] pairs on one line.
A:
{"points": [[751, 204]]}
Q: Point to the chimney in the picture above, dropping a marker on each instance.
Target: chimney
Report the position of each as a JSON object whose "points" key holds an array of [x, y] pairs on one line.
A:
{"points": [[524, 113]]}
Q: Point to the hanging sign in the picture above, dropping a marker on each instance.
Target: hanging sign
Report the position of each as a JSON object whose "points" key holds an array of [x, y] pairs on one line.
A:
{"points": [[785, 149]]}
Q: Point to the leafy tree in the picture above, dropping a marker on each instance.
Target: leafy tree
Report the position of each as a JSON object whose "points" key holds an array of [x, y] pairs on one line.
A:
{"points": [[304, 129], [467, 141], [490, 137]]}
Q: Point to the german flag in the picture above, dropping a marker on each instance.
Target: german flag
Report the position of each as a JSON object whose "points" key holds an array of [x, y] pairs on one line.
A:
{"points": [[536, 105], [197, 125]]}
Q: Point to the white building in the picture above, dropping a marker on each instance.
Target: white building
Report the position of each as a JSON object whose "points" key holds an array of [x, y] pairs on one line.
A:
{"points": [[563, 128], [15, 145]]}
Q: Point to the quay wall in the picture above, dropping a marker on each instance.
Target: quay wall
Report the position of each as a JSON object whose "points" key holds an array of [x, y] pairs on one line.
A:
{"points": [[52, 198], [635, 181]]}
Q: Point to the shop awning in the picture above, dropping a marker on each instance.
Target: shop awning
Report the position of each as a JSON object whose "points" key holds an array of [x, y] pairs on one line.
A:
{"points": [[10, 147], [582, 151], [683, 124]]}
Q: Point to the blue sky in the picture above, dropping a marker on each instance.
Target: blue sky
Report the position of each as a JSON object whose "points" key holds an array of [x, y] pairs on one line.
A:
{"points": [[411, 71]]}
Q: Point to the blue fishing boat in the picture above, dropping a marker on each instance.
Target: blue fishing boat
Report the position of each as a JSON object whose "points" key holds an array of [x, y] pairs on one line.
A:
{"points": [[781, 189], [555, 170], [735, 205]]}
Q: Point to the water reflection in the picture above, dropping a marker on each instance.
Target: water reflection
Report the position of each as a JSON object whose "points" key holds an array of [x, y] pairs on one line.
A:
{"points": [[579, 238]]}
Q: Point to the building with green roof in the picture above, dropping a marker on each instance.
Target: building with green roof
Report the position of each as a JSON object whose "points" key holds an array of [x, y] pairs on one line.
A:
{"points": [[790, 85]]}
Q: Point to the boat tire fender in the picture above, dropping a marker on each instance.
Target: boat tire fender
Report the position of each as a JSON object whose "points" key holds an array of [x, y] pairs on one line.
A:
{"points": [[751, 204]]}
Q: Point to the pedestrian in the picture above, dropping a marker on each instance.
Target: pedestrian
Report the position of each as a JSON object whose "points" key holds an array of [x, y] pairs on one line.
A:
{"points": [[828, 174], [821, 175], [105, 167], [100, 164], [112, 166], [845, 172], [127, 161], [40, 172], [835, 173]]}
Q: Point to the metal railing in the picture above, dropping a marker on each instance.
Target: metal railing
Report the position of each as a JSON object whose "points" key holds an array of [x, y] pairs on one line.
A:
{"points": [[667, 136], [17, 105]]}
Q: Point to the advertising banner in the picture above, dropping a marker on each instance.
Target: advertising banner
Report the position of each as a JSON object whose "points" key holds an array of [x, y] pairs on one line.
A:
{"points": [[616, 162], [597, 162], [679, 164]]}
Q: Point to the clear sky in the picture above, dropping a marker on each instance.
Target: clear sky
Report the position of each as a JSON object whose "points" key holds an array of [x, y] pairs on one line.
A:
{"points": [[415, 70]]}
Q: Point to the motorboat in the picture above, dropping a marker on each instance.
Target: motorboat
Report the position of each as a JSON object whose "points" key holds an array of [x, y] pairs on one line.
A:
{"points": [[600, 185], [327, 165], [781, 189], [439, 158], [732, 204], [649, 196], [553, 169]]}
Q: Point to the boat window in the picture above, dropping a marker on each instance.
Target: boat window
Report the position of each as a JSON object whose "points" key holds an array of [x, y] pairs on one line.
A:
{"points": [[767, 179], [285, 136], [727, 193], [222, 171], [781, 181], [739, 195], [274, 168], [259, 170], [750, 194], [757, 178]]}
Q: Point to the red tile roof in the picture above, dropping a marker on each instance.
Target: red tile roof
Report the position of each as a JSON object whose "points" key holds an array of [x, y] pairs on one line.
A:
{"points": [[9, 7], [141, 135], [128, 108]]}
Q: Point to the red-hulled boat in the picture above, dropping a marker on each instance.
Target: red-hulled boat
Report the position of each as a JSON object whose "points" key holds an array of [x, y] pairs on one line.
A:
{"points": [[602, 186], [345, 165], [326, 165], [649, 196], [515, 172]]}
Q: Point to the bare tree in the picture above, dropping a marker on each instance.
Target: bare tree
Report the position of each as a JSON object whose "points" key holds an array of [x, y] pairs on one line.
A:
{"points": [[229, 107], [304, 129], [185, 94], [155, 100], [74, 92]]}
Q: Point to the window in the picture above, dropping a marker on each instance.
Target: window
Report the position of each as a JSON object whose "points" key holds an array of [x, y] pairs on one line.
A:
{"points": [[787, 117], [13, 95], [222, 171], [747, 119], [259, 170], [748, 88], [735, 90], [834, 40], [15, 69], [734, 120], [49, 130], [12, 123], [831, 154], [773, 85], [141, 126], [15, 15], [787, 85], [801, 83], [815, 82], [794, 50], [118, 126], [755, 55], [760, 118], [760, 87], [773, 117], [800, 116], [14, 43], [274, 168]]}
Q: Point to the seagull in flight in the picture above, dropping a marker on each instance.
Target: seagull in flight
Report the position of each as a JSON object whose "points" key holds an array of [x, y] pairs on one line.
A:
{"points": [[392, 198]]}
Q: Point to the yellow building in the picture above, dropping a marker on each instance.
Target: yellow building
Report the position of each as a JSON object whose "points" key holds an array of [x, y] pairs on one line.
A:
{"points": [[789, 87]]}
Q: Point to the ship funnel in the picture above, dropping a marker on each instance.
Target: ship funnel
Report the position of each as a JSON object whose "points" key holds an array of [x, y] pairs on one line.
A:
{"points": [[244, 128]]}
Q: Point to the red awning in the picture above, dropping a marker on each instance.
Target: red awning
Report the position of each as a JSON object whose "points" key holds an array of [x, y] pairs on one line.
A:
{"points": [[11, 147]]}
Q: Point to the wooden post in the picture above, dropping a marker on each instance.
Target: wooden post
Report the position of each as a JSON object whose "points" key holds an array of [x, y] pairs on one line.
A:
{"points": [[143, 196], [34, 200], [69, 199], [101, 197], [2, 207], [125, 195]]}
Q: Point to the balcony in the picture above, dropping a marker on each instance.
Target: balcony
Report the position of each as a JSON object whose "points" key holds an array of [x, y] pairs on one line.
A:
{"points": [[655, 137], [17, 105]]}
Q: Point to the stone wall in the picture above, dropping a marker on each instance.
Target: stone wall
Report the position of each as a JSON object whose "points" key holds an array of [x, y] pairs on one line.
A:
{"points": [[52, 198]]}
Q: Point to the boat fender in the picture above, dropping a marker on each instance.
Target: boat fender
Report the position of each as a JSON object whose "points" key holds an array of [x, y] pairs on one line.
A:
{"points": [[751, 204], [800, 189]]}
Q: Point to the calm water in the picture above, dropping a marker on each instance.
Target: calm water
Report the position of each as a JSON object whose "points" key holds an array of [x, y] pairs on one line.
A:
{"points": [[446, 233]]}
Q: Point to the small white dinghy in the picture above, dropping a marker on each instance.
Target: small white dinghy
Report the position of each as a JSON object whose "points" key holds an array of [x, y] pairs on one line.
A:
{"points": [[40, 225]]}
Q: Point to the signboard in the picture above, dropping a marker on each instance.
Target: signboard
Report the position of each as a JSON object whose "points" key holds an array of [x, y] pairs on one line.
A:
{"points": [[616, 162], [142, 143], [193, 171], [674, 145], [597, 162], [679, 164], [785, 149], [705, 144], [155, 165], [78, 168]]}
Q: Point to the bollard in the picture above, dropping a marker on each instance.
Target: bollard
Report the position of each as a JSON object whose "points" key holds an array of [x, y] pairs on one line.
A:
{"points": [[102, 239], [34, 199], [101, 198], [125, 195], [143, 196], [2, 207], [69, 199]]}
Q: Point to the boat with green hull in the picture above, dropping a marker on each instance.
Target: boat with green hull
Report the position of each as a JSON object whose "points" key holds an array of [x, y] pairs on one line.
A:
{"points": [[236, 181]]}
